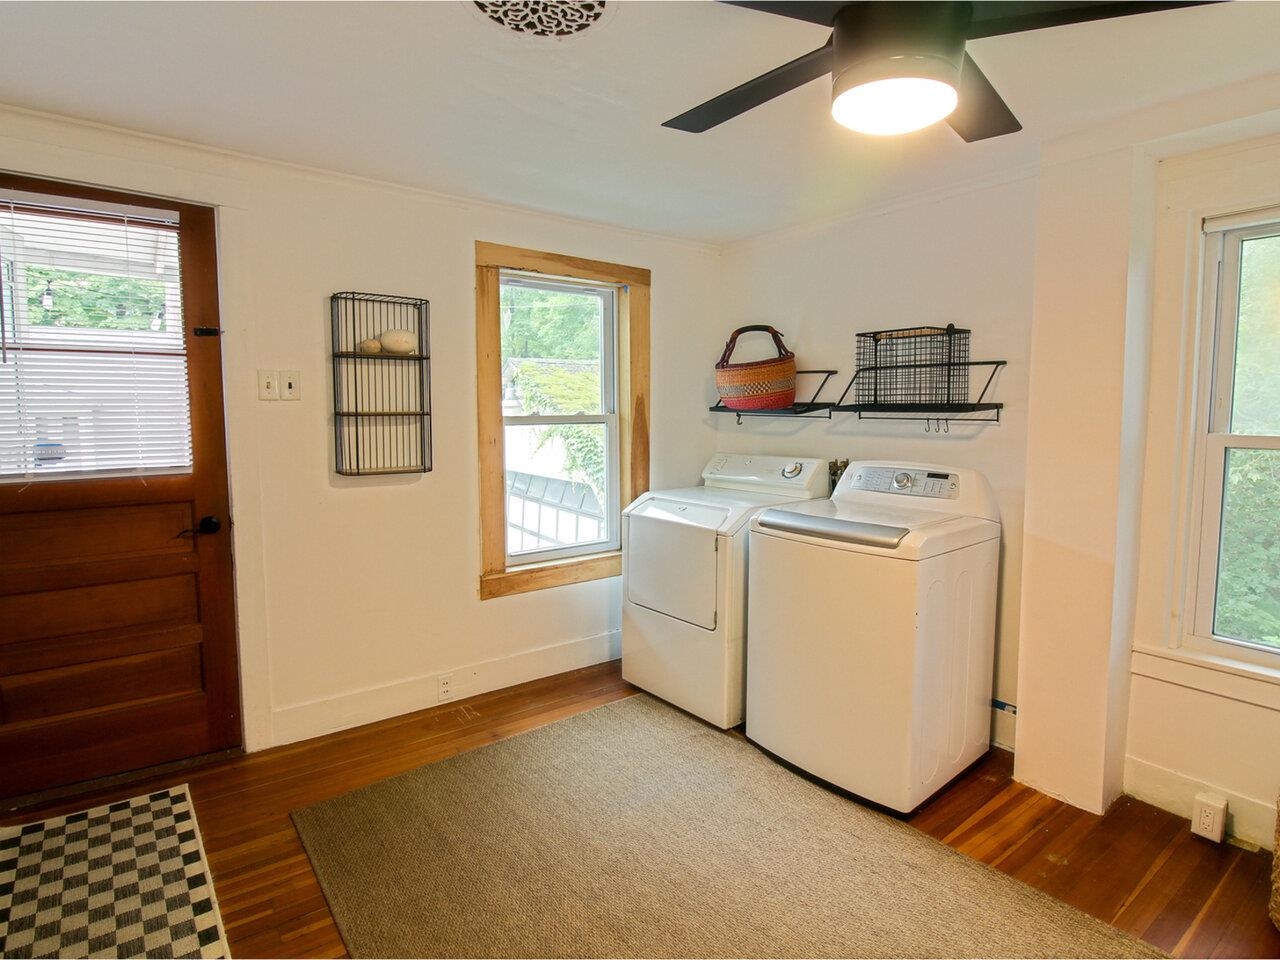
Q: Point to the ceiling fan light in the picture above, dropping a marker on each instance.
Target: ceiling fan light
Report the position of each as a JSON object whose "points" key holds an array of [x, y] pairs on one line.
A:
{"points": [[894, 105]]}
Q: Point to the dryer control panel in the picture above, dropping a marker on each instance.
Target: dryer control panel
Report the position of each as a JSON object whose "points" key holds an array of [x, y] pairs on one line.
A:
{"points": [[906, 481], [800, 477]]}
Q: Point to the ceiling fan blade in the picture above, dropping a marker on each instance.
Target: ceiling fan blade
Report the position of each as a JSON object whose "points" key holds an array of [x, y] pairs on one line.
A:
{"points": [[755, 92], [813, 11], [981, 112], [994, 18]]}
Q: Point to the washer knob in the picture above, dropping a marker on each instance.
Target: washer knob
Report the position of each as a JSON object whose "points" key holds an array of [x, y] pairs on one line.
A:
{"points": [[902, 480], [792, 470]]}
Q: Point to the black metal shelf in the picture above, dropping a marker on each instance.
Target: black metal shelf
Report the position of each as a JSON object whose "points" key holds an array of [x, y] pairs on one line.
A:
{"points": [[939, 415], [357, 355], [938, 412], [381, 409], [381, 413], [938, 409], [910, 374], [918, 373], [819, 411]]}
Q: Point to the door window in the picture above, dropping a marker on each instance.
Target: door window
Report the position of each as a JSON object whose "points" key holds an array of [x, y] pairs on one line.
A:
{"points": [[93, 366]]}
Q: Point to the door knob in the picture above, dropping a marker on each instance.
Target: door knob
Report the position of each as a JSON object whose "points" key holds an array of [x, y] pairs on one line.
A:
{"points": [[206, 525]]}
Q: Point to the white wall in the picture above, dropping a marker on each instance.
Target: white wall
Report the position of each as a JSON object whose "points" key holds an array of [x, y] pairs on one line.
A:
{"points": [[1086, 466], [353, 594], [965, 259]]}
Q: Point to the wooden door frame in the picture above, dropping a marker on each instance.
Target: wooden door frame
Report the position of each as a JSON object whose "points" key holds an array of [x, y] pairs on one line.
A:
{"points": [[209, 484]]}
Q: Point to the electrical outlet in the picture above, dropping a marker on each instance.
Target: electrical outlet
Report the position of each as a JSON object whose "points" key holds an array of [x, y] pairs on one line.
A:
{"points": [[268, 385], [444, 688], [290, 385], [1209, 816]]}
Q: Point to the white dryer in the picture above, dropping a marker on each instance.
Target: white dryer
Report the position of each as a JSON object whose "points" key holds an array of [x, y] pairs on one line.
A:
{"points": [[873, 630], [684, 563]]}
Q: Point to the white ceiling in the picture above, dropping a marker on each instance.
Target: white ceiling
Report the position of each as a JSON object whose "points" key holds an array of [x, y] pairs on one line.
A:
{"points": [[435, 95]]}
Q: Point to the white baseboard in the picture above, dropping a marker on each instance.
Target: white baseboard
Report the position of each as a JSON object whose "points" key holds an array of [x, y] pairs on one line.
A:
{"points": [[301, 721], [1247, 817]]}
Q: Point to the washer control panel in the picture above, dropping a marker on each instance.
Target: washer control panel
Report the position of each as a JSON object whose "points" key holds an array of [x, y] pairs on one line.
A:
{"points": [[906, 481]]}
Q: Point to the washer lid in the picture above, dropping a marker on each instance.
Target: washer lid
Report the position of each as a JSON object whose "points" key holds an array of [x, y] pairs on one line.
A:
{"points": [[904, 534], [833, 528]]}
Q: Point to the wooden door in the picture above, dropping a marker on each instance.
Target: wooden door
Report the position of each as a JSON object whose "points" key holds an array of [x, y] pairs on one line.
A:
{"points": [[117, 627]]}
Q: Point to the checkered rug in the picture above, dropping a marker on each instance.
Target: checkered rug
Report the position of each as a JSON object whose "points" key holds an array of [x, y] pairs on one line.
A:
{"points": [[128, 879]]}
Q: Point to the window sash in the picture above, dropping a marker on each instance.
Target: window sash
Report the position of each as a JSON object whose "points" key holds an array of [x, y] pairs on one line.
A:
{"points": [[608, 417], [612, 521], [608, 294], [1223, 250]]}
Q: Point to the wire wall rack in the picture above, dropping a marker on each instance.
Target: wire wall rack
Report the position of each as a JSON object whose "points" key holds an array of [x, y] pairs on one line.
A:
{"points": [[806, 408], [921, 374], [381, 384]]}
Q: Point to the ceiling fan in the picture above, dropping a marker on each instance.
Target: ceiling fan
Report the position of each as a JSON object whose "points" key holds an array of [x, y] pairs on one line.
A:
{"points": [[900, 66]]}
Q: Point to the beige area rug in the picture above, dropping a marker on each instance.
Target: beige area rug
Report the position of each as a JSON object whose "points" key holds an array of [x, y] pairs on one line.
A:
{"points": [[634, 830]]}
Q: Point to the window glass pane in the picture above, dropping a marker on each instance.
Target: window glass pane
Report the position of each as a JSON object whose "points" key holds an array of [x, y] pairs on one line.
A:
{"points": [[551, 347], [93, 300], [556, 482], [1255, 400], [93, 369], [1247, 606]]}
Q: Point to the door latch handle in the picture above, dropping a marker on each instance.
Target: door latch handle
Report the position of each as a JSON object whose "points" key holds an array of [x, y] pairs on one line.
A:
{"points": [[206, 525]]}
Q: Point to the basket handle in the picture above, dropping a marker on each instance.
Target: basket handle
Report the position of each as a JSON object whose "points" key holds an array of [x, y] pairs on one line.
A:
{"points": [[783, 352]]}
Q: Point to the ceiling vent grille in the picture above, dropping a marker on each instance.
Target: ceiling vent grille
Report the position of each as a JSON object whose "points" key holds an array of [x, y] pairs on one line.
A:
{"points": [[543, 19]]}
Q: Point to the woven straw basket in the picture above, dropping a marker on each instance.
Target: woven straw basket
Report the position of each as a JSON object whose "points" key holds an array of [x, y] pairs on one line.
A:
{"points": [[762, 384]]}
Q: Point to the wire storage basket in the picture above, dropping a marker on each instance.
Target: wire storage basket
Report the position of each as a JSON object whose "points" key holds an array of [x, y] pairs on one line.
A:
{"points": [[381, 384], [913, 365]]}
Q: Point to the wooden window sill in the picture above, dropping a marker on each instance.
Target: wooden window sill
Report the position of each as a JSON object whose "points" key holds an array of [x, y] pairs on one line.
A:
{"points": [[556, 573]]}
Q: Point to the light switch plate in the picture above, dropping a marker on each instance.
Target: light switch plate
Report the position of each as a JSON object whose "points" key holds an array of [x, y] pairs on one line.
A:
{"points": [[268, 385], [290, 385]]}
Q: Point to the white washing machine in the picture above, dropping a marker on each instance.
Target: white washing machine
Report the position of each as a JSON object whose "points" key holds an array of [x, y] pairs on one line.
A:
{"points": [[873, 629], [684, 562]]}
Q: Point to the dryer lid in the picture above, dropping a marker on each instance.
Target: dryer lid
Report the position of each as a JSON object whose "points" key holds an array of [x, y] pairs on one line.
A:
{"points": [[683, 510], [724, 511]]}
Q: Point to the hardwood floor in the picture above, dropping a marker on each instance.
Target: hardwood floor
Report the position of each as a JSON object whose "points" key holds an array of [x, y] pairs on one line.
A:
{"points": [[1138, 867]]}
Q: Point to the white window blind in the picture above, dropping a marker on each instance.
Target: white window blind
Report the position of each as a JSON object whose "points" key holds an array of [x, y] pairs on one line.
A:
{"points": [[93, 367]]}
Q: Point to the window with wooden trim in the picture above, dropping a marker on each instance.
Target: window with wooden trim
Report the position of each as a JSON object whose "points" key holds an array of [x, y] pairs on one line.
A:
{"points": [[562, 346], [1235, 583]]}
